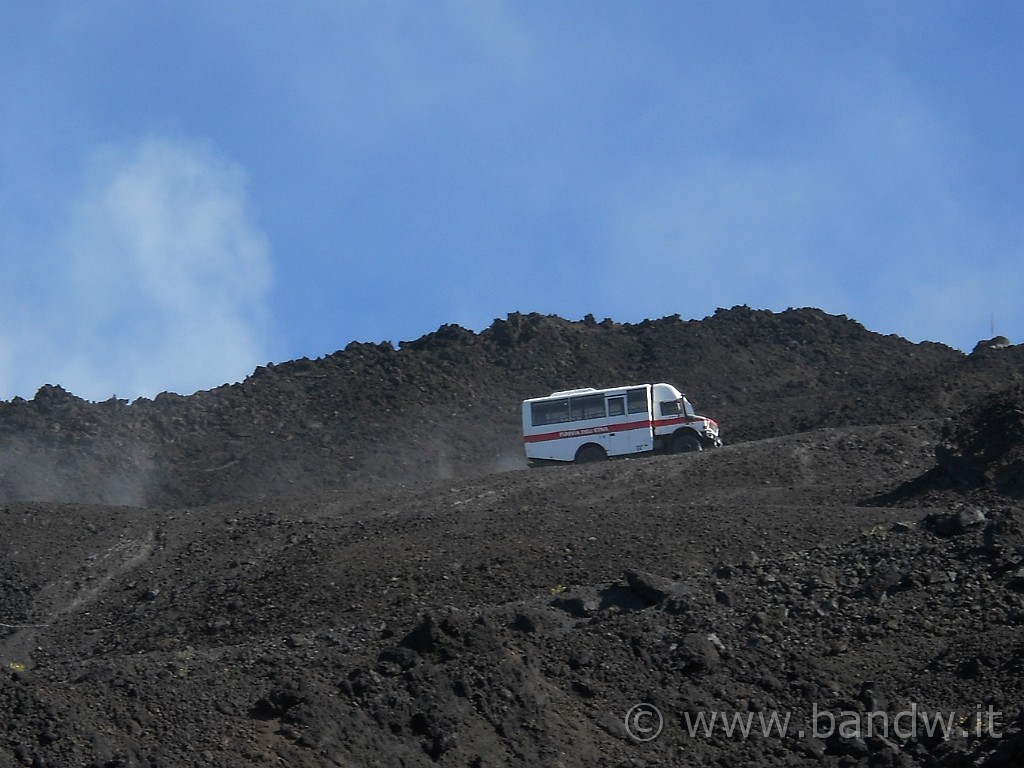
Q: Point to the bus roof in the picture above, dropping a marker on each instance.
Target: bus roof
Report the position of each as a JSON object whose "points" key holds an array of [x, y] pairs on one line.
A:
{"points": [[567, 392]]}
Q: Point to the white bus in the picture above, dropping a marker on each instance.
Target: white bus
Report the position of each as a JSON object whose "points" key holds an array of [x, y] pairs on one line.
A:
{"points": [[591, 424]]}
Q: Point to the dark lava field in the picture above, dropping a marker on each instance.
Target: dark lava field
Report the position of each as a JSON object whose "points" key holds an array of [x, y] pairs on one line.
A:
{"points": [[346, 561]]}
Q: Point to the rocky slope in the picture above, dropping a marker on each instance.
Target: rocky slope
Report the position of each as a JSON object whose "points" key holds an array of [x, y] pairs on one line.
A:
{"points": [[852, 568]]}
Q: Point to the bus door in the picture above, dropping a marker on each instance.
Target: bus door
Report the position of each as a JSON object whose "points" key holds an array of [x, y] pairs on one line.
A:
{"points": [[629, 428]]}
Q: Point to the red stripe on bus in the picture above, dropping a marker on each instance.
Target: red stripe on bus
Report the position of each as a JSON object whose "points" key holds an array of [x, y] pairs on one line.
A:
{"points": [[674, 420], [586, 431]]}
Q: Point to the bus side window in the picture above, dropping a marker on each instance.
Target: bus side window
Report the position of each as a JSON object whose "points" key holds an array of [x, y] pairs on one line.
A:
{"points": [[616, 406], [586, 407], [637, 399], [550, 412]]}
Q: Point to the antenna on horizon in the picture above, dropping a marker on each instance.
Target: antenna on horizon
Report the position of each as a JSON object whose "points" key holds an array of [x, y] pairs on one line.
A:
{"points": [[992, 324]]}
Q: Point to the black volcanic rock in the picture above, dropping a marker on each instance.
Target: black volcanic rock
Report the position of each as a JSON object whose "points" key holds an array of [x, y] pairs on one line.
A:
{"points": [[447, 404], [984, 446]]}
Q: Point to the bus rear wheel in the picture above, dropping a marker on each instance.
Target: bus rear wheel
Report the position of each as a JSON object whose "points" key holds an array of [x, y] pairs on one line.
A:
{"points": [[590, 452]]}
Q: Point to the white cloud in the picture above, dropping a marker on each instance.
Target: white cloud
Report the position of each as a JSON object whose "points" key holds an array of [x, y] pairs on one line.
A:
{"points": [[158, 282]]}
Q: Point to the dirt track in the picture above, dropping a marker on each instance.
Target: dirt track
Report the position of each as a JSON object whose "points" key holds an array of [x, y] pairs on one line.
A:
{"points": [[432, 610]]}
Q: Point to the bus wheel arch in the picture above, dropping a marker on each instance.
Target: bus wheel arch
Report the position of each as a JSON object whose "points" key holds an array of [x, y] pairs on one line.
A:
{"points": [[590, 452]]}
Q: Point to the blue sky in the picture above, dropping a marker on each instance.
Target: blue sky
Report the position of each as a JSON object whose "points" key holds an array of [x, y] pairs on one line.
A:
{"points": [[192, 189]]}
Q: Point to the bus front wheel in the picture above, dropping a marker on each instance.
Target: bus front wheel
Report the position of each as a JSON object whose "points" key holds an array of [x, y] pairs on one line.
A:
{"points": [[683, 443]]}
